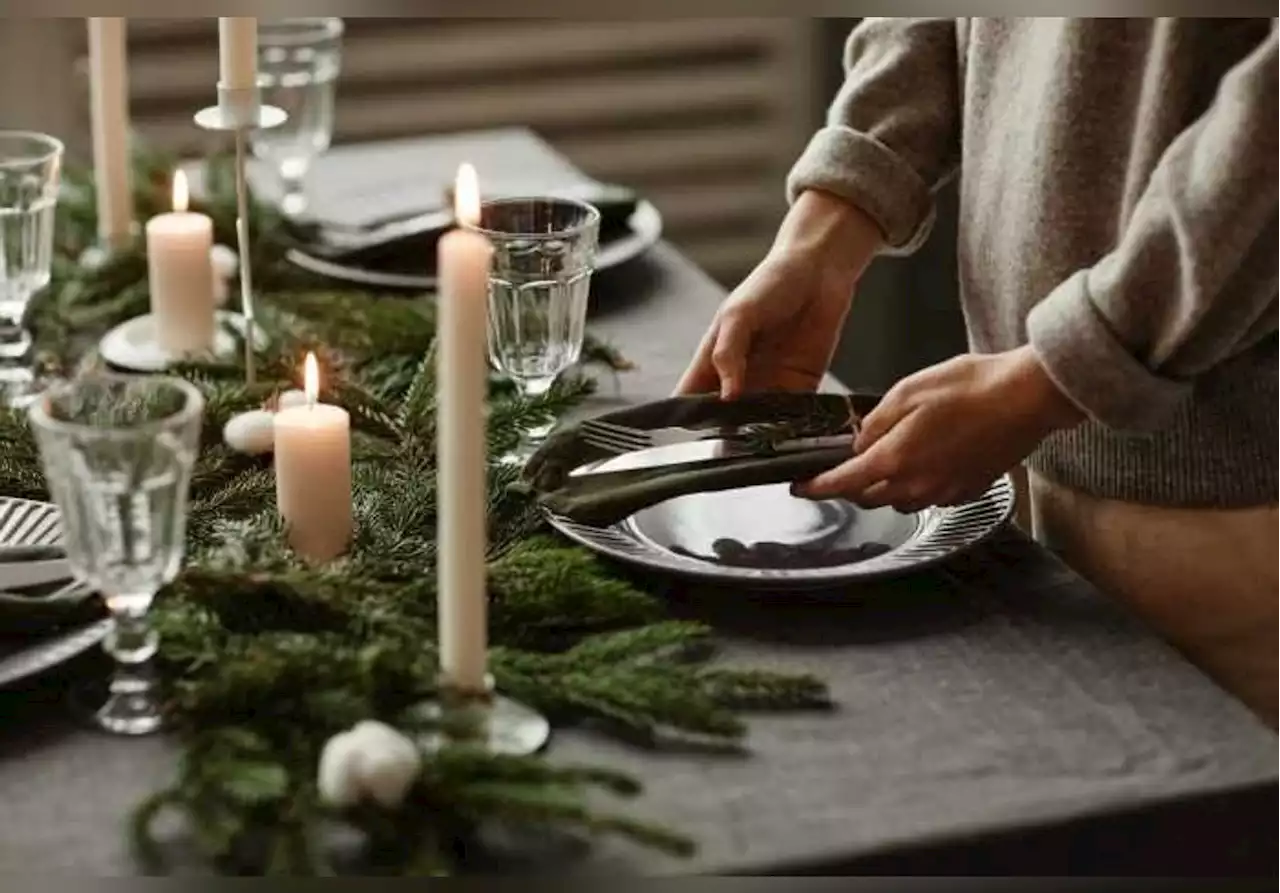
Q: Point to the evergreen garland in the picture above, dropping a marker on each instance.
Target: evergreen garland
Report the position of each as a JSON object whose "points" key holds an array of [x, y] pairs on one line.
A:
{"points": [[263, 657]]}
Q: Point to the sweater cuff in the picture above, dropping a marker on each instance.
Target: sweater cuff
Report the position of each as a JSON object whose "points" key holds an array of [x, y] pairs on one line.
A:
{"points": [[865, 172], [1082, 356]]}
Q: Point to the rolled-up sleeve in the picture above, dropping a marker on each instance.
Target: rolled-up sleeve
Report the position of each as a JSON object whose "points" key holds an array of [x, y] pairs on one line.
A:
{"points": [[892, 133], [1192, 280]]}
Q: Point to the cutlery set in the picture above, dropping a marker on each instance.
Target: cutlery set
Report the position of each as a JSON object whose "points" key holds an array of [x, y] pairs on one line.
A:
{"points": [[731, 441]]}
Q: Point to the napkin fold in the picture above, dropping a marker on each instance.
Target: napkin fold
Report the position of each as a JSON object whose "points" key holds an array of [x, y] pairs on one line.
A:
{"points": [[38, 610], [604, 498]]}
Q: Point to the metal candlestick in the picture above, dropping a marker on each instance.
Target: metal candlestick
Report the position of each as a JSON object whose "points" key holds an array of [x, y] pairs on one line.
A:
{"points": [[238, 111], [483, 719]]}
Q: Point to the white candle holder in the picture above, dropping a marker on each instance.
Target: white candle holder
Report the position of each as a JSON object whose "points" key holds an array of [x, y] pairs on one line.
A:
{"points": [[483, 719], [238, 111]]}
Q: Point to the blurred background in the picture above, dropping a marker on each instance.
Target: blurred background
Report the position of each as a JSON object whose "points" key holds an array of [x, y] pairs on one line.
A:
{"points": [[703, 117]]}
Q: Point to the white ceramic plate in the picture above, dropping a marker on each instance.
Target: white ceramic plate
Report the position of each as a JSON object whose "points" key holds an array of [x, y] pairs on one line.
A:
{"points": [[26, 524], [763, 537], [132, 345], [646, 231]]}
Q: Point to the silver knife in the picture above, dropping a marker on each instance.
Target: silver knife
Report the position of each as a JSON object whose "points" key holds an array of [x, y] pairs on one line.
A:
{"points": [[722, 449]]}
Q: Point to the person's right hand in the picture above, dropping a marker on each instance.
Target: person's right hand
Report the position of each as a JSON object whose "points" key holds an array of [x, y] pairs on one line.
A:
{"points": [[778, 329]]}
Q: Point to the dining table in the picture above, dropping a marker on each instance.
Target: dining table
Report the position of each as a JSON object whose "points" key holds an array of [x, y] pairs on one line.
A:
{"points": [[994, 714]]}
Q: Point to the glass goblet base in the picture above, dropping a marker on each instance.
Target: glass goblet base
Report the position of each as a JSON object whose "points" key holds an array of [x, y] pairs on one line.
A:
{"points": [[128, 704], [129, 709], [530, 440], [17, 376], [18, 385]]}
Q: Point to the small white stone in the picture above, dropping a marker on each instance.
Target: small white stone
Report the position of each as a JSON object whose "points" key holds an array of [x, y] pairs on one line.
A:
{"points": [[336, 778], [226, 263], [386, 762], [291, 398], [250, 432], [221, 292], [94, 257]]}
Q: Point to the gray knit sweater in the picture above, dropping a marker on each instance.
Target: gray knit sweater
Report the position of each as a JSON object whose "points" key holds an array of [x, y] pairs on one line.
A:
{"points": [[1118, 198]]}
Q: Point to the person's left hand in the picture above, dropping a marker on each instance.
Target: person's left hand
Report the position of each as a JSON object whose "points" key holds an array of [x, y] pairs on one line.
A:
{"points": [[942, 435]]}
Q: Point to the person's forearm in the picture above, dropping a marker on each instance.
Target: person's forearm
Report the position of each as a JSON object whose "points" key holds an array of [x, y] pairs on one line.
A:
{"points": [[1191, 282], [830, 231]]}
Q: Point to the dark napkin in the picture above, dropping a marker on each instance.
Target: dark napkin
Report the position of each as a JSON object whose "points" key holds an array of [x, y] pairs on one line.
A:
{"points": [[405, 245], [37, 610], [608, 497]]}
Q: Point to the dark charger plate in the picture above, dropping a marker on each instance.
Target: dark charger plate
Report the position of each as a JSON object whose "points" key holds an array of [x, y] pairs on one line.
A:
{"points": [[408, 264], [23, 658], [763, 537]]}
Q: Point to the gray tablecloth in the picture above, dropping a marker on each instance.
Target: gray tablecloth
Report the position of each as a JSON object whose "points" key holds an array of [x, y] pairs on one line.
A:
{"points": [[998, 715]]}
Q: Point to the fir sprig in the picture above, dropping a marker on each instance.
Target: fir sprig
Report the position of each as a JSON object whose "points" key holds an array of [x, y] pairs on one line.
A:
{"points": [[263, 657]]}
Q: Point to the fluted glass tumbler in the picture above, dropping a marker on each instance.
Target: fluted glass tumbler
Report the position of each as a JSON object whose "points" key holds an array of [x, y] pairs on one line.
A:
{"points": [[543, 253], [30, 173], [118, 452]]}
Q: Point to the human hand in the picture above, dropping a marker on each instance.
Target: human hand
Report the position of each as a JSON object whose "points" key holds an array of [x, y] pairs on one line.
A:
{"points": [[778, 330], [942, 435]]}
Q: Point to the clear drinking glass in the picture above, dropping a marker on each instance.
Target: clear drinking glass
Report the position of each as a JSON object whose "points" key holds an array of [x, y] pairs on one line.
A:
{"points": [[118, 452], [30, 171], [543, 251], [298, 65]]}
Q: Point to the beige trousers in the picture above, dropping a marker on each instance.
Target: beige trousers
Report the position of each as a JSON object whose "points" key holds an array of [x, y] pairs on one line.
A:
{"points": [[1205, 580]]}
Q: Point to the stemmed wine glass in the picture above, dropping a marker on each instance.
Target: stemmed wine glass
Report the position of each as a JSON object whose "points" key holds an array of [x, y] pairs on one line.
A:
{"points": [[539, 280], [30, 172], [118, 452], [298, 64]]}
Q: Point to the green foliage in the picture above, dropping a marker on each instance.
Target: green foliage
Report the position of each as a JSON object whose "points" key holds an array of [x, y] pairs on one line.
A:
{"points": [[263, 657]]}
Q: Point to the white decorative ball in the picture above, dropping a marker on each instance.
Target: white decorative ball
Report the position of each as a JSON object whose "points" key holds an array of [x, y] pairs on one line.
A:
{"points": [[93, 257], [221, 292], [386, 762], [250, 432], [226, 263], [336, 778]]}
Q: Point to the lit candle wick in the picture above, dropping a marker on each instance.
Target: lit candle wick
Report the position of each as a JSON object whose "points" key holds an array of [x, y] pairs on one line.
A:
{"points": [[311, 380], [181, 192], [466, 196]]}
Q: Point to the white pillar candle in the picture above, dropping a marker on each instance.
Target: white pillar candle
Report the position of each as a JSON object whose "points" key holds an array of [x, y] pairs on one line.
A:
{"points": [[181, 276], [463, 262], [313, 473], [109, 118], [237, 53]]}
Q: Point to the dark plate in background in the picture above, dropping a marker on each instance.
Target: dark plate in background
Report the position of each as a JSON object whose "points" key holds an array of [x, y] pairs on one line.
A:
{"points": [[402, 272]]}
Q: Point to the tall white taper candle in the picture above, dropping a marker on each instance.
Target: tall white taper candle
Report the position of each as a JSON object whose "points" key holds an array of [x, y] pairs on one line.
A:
{"points": [[237, 53], [463, 262], [109, 117]]}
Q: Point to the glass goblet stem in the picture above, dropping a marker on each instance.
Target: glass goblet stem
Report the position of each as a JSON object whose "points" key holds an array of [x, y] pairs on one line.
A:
{"points": [[132, 707], [531, 389], [293, 175]]}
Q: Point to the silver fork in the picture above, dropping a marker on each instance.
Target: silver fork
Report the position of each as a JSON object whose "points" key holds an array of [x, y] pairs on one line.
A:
{"points": [[619, 439], [625, 439]]}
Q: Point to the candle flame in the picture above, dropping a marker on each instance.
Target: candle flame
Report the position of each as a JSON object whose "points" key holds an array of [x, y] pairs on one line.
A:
{"points": [[181, 193], [466, 195], [311, 379]]}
